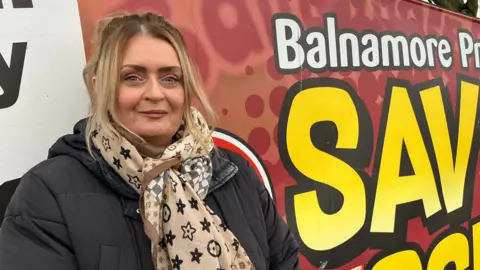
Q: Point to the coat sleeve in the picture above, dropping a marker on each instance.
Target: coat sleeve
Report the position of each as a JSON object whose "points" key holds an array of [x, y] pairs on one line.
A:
{"points": [[283, 245], [33, 234]]}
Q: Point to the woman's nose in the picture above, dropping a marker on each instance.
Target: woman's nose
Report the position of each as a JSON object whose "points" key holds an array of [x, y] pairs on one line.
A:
{"points": [[154, 90]]}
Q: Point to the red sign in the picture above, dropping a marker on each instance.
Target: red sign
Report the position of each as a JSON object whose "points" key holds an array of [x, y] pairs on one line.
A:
{"points": [[361, 117]]}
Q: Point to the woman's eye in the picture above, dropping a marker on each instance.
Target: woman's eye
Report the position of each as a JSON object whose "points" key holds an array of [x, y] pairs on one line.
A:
{"points": [[131, 78], [170, 80]]}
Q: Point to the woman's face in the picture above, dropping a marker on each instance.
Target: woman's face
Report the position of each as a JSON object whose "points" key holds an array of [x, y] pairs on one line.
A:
{"points": [[150, 91]]}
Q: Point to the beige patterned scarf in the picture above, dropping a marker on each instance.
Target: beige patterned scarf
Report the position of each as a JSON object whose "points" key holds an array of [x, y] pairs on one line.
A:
{"points": [[185, 232]]}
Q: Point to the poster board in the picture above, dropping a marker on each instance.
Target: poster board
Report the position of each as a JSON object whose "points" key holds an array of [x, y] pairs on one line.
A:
{"points": [[370, 151], [41, 89]]}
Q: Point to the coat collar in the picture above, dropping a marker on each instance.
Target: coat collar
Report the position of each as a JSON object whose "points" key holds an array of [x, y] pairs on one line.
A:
{"points": [[223, 170]]}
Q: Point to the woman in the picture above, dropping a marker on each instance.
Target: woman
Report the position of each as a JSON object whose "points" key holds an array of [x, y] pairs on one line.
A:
{"points": [[139, 184]]}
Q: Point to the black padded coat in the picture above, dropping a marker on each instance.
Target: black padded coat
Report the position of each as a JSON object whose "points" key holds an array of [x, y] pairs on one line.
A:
{"points": [[74, 212]]}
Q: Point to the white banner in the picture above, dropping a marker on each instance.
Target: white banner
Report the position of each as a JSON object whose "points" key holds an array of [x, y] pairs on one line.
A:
{"points": [[41, 89]]}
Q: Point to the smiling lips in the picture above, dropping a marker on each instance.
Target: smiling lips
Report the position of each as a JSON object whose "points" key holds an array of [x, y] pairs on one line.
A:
{"points": [[154, 114]]}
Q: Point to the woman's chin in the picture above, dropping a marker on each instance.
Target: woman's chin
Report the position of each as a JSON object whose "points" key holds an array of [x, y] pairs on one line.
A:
{"points": [[155, 134]]}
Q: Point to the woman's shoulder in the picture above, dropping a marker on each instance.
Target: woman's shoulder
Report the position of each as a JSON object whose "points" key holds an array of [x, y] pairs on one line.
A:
{"points": [[38, 189], [62, 175]]}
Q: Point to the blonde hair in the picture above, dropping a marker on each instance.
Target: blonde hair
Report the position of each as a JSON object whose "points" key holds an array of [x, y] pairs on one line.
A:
{"points": [[111, 38]]}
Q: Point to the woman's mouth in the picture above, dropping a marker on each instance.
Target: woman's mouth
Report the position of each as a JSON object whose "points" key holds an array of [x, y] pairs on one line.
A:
{"points": [[154, 114]]}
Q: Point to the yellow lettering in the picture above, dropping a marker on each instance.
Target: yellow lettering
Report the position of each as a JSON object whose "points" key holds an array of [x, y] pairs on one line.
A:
{"points": [[314, 226], [402, 260], [453, 248], [393, 189], [452, 174], [476, 245]]}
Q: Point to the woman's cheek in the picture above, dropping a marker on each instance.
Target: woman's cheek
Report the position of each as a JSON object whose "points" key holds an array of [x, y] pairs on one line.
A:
{"points": [[128, 100]]}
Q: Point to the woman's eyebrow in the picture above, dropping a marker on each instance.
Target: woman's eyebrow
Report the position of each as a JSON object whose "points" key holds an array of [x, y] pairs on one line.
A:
{"points": [[170, 69], [166, 69], [135, 67]]}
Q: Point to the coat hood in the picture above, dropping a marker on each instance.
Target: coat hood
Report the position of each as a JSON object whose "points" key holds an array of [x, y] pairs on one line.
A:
{"points": [[75, 146]]}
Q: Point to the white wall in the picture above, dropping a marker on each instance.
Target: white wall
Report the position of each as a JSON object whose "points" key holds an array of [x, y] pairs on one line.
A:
{"points": [[51, 97]]}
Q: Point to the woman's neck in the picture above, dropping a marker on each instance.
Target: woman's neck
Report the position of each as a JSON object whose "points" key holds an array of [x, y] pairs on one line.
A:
{"points": [[150, 147]]}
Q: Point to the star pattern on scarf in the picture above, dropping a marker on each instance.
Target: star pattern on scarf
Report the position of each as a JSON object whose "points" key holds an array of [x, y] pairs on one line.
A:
{"points": [[163, 243], [223, 226], [193, 203], [94, 133], [106, 144], [176, 262], [196, 255], [133, 180], [188, 231], [205, 225], [174, 186], [170, 237], [180, 206], [236, 244], [188, 147], [125, 153], [117, 163]]}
